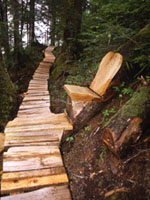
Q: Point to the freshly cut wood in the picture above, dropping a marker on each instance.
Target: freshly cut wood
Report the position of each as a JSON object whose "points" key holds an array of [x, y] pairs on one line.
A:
{"points": [[108, 68], [78, 93], [34, 173], [79, 112], [83, 103], [42, 127], [50, 120], [32, 183], [53, 192], [124, 128]]}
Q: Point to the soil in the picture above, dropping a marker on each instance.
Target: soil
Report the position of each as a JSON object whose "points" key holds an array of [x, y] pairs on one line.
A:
{"points": [[94, 172]]}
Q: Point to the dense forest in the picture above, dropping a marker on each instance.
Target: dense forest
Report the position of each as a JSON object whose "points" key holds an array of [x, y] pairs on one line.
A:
{"points": [[83, 31]]}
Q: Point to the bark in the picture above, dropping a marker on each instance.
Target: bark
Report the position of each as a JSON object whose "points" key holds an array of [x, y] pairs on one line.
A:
{"points": [[73, 20], [125, 126], [4, 28], [32, 19], [17, 40]]}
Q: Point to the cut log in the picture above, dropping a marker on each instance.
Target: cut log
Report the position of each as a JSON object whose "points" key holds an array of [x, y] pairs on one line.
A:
{"points": [[78, 93], [124, 128], [82, 102]]}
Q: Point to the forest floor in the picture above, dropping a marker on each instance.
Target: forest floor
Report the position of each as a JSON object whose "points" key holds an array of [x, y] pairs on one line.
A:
{"points": [[94, 172]]}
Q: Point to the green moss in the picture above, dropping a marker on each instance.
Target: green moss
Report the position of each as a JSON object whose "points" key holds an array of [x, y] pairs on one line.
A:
{"points": [[8, 98], [137, 106]]}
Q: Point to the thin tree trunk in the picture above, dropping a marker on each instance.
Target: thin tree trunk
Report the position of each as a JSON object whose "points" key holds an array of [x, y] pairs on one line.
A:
{"points": [[32, 19], [17, 40]]}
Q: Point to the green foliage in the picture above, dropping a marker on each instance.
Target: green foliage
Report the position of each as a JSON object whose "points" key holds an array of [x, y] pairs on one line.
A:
{"points": [[107, 113], [69, 139], [87, 128], [101, 155], [123, 90]]}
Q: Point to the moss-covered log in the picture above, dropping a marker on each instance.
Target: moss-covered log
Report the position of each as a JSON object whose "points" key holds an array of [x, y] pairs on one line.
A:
{"points": [[8, 97], [121, 128]]}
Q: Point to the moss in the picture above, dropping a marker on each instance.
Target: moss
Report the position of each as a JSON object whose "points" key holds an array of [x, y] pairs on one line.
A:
{"points": [[137, 106], [8, 97]]}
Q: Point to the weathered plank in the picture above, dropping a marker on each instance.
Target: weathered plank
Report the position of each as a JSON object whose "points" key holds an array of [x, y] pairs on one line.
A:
{"points": [[31, 158], [26, 140], [36, 98], [53, 193], [47, 132]]}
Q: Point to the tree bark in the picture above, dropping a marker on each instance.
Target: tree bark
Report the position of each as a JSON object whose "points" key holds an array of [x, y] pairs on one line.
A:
{"points": [[73, 20], [126, 125], [32, 19], [17, 40], [4, 29]]}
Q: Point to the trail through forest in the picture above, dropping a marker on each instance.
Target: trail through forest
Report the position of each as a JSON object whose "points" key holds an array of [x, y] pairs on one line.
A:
{"points": [[31, 158]]}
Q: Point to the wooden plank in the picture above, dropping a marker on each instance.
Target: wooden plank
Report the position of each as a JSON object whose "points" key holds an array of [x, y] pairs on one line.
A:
{"points": [[31, 158], [49, 193], [33, 173], [36, 93], [34, 87], [108, 68], [40, 105], [78, 93], [26, 140], [41, 127], [35, 102], [32, 150], [58, 120], [54, 133], [32, 183], [36, 98]]}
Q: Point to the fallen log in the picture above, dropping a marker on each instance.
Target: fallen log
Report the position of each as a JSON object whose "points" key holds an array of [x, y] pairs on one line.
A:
{"points": [[126, 126]]}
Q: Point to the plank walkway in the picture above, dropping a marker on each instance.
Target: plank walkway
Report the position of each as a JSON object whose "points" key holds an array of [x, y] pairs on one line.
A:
{"points": [[32, 162]]}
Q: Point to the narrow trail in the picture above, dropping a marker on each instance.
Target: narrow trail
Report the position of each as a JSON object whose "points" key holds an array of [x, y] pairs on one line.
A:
{"points": [[32, 162]]}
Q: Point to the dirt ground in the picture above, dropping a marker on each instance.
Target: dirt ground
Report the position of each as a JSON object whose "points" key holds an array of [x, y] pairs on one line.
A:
{"points": [[95, 173]]}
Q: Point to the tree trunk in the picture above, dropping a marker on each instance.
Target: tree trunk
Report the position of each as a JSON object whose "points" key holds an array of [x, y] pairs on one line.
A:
{"points": [[4, 29], [125, 126], [32, 19], [17, 40], [73, 19]]}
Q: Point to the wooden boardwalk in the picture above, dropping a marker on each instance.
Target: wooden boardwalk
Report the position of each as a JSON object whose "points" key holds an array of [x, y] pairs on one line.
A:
{"points": [[32, 162]]}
